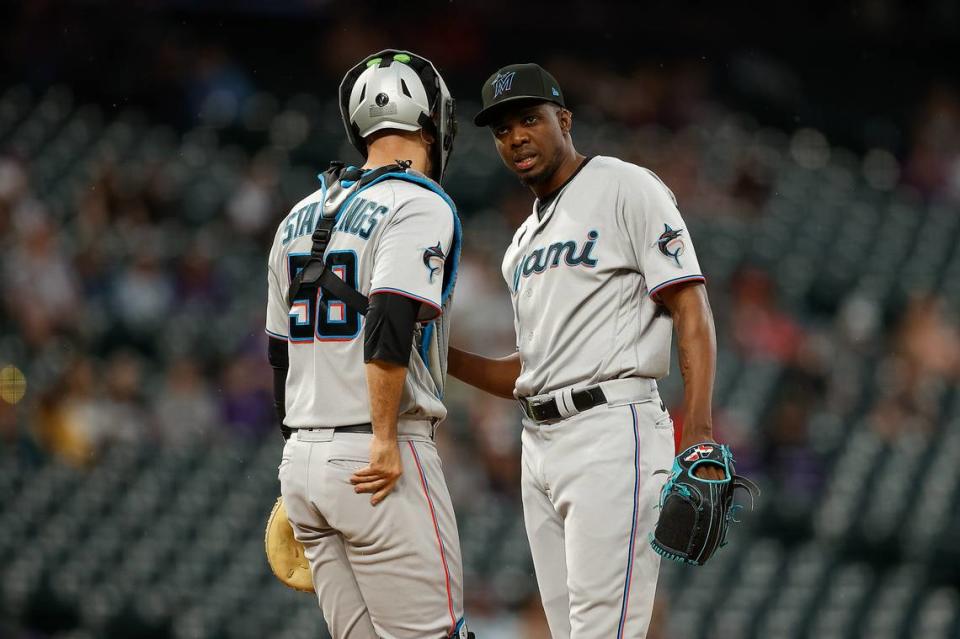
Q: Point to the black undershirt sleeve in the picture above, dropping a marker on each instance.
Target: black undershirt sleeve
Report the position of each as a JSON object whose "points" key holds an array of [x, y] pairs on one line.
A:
{"points": [[388, 335], [280, 361]]}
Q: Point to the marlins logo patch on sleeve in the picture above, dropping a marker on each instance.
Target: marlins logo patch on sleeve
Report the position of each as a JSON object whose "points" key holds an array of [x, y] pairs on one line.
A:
{"points": [[433, 259], [670, 243]]}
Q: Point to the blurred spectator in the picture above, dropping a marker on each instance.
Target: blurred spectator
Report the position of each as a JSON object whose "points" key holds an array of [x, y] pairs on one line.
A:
{"points": [[858, 321], [791, 461], [13, 186], [88, 410], [38, 271], [197, 282], [10, 434], [143, 294], [217, 86], [253, 206], [933, 164], [760, 329], [247, 400], [123, 415], [482, 315], [924, 360], [927, 340], [903, 405], [495, 424], [70, 415], [185, 410]]}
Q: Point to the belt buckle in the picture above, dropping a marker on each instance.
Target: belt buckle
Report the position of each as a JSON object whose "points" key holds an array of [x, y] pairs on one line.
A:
{"points": [[526, 407], [532, 404]]}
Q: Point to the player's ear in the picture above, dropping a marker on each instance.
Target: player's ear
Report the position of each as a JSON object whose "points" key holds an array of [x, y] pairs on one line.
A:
{"points": [[565, 118], [427, 137]]}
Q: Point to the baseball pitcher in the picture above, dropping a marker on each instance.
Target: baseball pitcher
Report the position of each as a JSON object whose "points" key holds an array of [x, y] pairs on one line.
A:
{"points": [[599, 275]]}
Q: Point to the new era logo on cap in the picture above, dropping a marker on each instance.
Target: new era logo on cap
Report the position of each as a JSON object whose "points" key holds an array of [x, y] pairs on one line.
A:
{"points": [[502, 83]]}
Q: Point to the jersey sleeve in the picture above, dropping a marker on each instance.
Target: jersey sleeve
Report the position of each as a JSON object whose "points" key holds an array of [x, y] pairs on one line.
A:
{"points": [[658, 236], [278, 322], [410, 254]]}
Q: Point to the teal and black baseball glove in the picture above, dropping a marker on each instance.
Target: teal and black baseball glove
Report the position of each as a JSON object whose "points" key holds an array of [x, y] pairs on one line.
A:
{"points": [[695, 513]]}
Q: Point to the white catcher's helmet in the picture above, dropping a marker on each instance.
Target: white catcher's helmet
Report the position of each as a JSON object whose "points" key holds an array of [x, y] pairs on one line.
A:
{"points": [[398, 90]]}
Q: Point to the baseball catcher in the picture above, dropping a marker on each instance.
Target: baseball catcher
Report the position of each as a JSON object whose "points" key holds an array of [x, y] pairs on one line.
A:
{"points": [[361, 276]]}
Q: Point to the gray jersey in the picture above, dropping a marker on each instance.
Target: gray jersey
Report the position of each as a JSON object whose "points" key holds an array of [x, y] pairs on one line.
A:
{"points": [[584, 279], [397, 236]]}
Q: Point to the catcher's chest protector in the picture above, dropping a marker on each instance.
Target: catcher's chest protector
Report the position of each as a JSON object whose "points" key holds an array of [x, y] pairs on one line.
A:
{"points": [[339, 186]]}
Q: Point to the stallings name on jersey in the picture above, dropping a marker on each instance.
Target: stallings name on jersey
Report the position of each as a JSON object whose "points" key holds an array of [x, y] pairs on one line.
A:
{"points": [[360, 218]]}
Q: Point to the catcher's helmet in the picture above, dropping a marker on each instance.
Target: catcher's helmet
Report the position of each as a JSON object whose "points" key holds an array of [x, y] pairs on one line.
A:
{"points": [[398, 90]]}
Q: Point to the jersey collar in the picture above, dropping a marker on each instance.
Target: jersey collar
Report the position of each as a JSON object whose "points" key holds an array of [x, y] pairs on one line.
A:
{"points": [[542, 204]]}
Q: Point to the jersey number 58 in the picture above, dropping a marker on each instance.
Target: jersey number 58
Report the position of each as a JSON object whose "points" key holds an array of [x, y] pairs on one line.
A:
{"points": [[315, 314]]}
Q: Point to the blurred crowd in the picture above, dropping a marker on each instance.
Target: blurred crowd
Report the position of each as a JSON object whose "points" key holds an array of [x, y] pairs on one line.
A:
{"points": [[113, 307], [138, 318], [100, 304]]}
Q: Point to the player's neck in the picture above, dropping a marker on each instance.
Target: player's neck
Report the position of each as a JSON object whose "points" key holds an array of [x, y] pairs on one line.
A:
{"points": [[388, 149], [569, 165]]}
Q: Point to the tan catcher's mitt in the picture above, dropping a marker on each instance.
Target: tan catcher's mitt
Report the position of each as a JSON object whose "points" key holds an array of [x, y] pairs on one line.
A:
{"points": [[284, 553]]}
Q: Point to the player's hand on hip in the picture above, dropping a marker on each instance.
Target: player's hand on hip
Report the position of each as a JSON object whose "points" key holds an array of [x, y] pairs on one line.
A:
{"points": [[381, 475]]}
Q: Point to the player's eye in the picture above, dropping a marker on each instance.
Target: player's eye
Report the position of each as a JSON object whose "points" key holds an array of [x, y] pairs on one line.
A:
{"points": [[500, 131], [530, 120]]}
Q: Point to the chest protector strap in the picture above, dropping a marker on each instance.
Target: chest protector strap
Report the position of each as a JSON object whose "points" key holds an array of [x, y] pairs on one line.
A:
{"points": [[339, 185]]}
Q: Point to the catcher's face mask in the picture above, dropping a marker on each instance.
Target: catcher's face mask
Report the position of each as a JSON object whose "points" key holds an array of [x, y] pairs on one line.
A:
{"points": [[399, 90]]}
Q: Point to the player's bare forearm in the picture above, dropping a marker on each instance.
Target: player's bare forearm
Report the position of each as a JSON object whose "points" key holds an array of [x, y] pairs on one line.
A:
{"points": [[697, 346], [385, 386], [496, 376]]}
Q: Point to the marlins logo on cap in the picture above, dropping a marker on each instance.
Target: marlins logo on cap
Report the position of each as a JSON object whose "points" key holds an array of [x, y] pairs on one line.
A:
{"points": [[502, 83], [515, 84]]}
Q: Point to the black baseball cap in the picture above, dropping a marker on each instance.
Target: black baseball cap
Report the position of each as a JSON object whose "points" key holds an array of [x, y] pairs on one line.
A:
{"points": [[514, 83]]}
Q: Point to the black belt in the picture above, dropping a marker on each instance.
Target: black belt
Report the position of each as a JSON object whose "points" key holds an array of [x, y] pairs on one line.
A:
{"points": [[355, 428], [350, 428], [546, 409]]}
